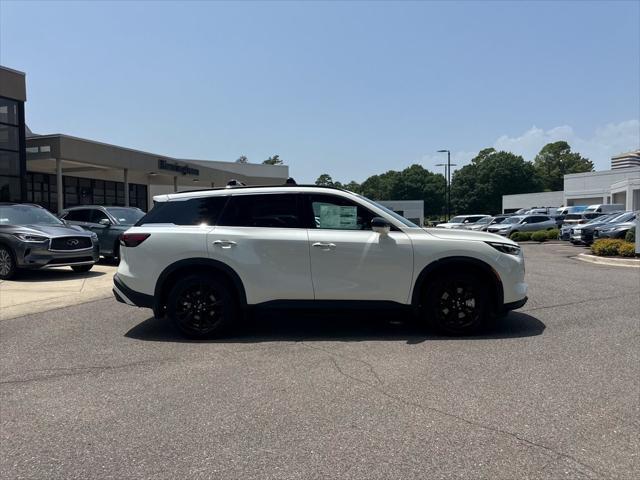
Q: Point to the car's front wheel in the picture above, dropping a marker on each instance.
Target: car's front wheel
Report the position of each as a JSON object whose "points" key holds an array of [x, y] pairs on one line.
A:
{"points": [[7, 263], [81, 268], [457, 304], [201, 306]]}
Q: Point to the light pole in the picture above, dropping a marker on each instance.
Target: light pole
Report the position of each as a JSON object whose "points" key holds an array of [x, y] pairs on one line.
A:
{"points": [[449, 165], [446, 169]]}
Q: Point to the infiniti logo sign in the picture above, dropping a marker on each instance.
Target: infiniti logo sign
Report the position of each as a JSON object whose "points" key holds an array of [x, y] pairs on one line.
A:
{"points": [[73, 242]]}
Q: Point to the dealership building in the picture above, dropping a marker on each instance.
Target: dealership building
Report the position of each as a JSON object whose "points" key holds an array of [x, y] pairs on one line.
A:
{"points": [[619, 185], [59, 171]]}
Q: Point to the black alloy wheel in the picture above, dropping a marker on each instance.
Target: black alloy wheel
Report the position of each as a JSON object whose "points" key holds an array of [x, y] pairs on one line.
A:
{"points": [[7, 263], [457, 304], [201, 306]]}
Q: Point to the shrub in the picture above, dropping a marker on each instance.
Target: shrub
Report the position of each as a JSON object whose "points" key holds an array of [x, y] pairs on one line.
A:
{"points": [[553, 234], [631, 235], [627, 249], [606, 247], [540, 236], [520, 236]]}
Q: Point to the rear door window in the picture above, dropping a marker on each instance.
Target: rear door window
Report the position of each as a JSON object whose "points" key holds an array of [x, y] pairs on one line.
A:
{"points": [[276, 210], [194, 211]]}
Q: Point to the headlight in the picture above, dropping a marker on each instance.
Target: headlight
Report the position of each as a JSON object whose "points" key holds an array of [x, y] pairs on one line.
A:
{"points": [[27, 237], [505, 248]]}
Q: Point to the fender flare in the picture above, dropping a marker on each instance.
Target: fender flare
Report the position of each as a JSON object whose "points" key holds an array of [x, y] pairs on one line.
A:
{"points": [[423, 277], [199, 262]]}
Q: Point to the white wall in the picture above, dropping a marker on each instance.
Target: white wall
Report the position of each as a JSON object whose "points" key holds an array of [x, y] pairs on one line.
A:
{"points": [[411, 209], [580, 187], [530, 200]]}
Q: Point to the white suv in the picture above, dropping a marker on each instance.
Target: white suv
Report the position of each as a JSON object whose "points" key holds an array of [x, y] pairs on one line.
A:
{"points": [[202, 258]]}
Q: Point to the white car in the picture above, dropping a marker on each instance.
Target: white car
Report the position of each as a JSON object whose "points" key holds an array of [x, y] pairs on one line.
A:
{"points": [[462, 221], [201, 258]]}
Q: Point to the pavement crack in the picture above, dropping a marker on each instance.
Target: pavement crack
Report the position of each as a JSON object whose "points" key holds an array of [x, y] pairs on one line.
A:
{"points": [[554, 454], [577, 302], [331, 354], [60, 372]]}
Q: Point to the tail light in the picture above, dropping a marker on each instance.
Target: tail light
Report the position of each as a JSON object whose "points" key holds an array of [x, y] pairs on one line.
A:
{"points": [[133, 239]]}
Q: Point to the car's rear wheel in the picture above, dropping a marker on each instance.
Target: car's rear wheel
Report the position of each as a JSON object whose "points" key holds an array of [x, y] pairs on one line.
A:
{"points": [[81, 268], [201, 306], [457, 304], [7, 263]]}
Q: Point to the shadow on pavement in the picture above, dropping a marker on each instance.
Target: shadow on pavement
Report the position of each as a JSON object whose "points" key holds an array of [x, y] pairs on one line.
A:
{"points": [[337, 327], [59, 274]]}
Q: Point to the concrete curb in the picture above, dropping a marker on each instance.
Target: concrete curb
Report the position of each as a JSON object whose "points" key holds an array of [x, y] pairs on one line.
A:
{"points": [[611, 261]]}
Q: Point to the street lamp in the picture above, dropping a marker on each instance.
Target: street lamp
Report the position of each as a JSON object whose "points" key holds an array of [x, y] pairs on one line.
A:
{"points": [[448, 172]]}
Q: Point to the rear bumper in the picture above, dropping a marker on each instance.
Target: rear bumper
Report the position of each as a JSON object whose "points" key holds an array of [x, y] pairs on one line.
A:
{"points": [[124, 294]]}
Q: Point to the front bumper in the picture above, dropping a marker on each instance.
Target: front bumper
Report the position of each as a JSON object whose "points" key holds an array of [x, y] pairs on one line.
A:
{"points": [[38, 255], [514, 305]]}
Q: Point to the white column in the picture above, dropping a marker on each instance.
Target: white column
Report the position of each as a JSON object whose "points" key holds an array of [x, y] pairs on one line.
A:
{"points": [[59, 186], [126, 187]]}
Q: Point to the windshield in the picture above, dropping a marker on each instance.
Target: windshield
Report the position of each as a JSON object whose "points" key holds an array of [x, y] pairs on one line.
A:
{"points": [[513, 220], [625, 217], [601, 219], [457, 220], [126, 216], [26, 215], [573, 216], [484, 220], [498, 220], [400, 218]]}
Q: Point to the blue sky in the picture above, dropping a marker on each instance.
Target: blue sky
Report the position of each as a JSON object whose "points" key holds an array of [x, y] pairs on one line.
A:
{"points": [[350, 89]]}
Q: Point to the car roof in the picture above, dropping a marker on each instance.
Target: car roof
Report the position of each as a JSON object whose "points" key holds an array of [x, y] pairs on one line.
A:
{"points": [[17, 204]]}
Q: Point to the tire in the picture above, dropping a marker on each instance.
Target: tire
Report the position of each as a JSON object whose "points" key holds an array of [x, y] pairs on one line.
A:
{"points": [[457, 304], [7, 263], [81, 268], [202, 306]]}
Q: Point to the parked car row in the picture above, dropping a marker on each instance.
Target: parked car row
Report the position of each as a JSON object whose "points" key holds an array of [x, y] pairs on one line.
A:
{"points": [[33, 238], [579, 224], [613, 225]]}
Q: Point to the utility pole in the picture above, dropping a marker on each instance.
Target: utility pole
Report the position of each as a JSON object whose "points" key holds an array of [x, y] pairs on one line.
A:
{"points": [[448, 174]]}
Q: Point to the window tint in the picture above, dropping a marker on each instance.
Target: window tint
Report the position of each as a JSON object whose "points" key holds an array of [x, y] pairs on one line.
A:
{"points": [[78, 215], [268, 210], [194, 211], [97, 215], [338, 213]]}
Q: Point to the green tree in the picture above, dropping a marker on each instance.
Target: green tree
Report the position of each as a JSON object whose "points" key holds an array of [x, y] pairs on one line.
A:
{"points": [[324, 180], [479, 186], [555, 160], [273, 160]]}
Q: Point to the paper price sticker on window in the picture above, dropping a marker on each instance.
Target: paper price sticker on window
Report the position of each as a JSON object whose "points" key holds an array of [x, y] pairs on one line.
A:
{"points": [[339, 217]]}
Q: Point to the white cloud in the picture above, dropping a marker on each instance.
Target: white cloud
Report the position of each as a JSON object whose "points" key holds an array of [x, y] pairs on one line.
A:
{"points": [[605, 142]]}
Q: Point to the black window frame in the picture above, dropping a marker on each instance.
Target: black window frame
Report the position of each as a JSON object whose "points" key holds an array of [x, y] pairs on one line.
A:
{"points": [[160, 207], [229, 218]]}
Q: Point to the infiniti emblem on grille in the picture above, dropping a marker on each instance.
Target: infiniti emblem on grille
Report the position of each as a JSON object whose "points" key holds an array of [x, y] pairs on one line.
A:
{"points": [[73, 242]]}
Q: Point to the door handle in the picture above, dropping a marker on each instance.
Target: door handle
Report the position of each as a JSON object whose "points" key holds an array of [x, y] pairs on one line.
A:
{"points": [[224, 243], [324, 245]]}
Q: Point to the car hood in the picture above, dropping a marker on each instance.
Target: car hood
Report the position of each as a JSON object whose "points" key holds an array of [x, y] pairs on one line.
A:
{"points": [[449, 225], [468, 235], [616, 225], [55, 230]]}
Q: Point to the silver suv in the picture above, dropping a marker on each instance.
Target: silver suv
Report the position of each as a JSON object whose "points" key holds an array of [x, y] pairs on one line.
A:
{"points": [[523, 223]]}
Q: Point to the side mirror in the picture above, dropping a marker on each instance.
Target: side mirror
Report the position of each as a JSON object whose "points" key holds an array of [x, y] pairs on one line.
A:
{"points": [[104, 221], [380, 225]]}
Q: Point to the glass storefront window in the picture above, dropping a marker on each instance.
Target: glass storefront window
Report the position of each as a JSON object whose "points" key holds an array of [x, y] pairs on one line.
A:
{"points": [[9, 163], [8, 111], [8, 137], [9, 189]]}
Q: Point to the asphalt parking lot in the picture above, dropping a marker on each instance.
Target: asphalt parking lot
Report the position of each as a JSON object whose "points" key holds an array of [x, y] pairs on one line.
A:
{"points": [[101, 390]]}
